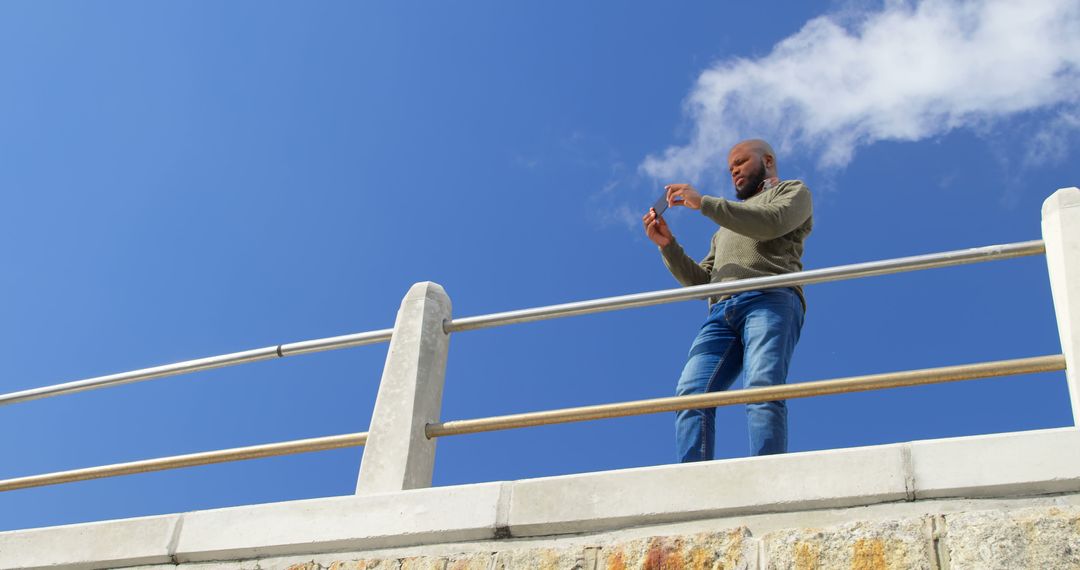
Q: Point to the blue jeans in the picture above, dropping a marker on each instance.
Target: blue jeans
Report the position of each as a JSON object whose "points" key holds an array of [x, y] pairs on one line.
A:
{"points": [[753, 333]]}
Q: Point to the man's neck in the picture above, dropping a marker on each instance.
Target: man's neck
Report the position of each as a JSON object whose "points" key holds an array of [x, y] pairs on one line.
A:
{"points": [[766, 184]]}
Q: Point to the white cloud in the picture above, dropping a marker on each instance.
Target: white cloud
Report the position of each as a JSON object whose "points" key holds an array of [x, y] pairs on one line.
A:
{"points": [[909, 71]]}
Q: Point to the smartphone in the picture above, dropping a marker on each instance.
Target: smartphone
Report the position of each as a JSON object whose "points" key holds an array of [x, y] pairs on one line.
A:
{"points": [[660, 204]]}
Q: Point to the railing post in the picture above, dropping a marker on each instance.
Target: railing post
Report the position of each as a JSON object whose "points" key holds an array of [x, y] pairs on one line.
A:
{"points": [[398, 455], [1061, 234]]}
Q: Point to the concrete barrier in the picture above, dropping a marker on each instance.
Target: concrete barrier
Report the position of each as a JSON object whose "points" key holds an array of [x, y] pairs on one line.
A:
{"points": [[549, 511]]}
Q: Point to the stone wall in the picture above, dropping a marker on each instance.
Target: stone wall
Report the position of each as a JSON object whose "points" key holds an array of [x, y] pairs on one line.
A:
{"points": [[1043, 538]]}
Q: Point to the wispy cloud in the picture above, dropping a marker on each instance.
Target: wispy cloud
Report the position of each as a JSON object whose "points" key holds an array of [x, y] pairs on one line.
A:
{"points": [[609, 210], [620, 214], [1050, 143], [909, 71]]}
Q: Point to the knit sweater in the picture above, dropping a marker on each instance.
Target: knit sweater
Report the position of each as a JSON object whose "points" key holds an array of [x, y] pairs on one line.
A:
{"points": [[762, 235]]}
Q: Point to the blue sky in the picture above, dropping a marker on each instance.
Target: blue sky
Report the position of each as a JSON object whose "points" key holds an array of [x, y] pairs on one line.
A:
{"points": [[188, 179]]}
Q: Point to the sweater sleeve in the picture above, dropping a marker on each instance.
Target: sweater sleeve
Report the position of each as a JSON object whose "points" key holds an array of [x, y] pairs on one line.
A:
{"points": [[686, 270], [784, 212]]}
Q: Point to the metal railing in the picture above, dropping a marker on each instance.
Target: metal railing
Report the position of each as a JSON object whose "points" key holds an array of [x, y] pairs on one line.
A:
{"points": [[809, 277], [853, 271], [199, 364], [442, 429], [865, 383], [189, 460]]}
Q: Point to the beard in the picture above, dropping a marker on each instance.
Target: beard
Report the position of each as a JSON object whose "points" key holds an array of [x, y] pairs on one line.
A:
{"points": [[751, 185]]}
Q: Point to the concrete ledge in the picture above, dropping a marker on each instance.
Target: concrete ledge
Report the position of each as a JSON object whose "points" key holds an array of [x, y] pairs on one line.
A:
{"points": [[1024, 464], [446, 514], [669, 493], [1003, 465], [92, 545]]}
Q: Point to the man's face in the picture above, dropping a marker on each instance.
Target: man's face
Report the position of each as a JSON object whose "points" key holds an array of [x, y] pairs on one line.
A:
{"points": [[747, 170]]}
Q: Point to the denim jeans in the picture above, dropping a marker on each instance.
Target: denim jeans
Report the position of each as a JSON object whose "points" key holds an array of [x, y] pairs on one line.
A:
{"points": [[752, 333]]}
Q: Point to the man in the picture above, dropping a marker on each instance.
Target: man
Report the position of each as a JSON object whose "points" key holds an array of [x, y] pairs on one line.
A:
{"points": [[754, 332]]}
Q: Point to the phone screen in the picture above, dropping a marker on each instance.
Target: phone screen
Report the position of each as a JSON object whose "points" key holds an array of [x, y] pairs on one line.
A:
{"points": [[660, 204]]}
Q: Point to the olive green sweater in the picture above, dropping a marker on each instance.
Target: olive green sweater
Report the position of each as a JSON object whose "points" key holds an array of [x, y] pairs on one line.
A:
{"points": [[762, 235]]}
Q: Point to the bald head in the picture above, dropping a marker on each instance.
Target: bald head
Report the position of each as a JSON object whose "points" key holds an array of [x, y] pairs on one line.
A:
{"points": [[755, 145], [751, 162], [759, 148]]}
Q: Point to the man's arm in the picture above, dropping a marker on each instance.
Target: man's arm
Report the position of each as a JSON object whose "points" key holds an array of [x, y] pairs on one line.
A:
{"points": [[685, 270], [762, 220]]}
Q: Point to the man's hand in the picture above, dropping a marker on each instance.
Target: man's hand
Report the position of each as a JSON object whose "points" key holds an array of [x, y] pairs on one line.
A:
{"points": [[683, 195], [657, 229]]}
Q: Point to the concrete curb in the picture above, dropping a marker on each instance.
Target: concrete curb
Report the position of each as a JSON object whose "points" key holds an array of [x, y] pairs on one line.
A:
{"points": [[670, 493], [108, 544], [1016, 464]]}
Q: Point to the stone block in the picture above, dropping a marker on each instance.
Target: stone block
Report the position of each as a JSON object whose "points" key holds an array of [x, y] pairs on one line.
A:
{"points": [[872, 545], [1042, 538], [726, 550], [543, 559], [535, 558], [470, 561], [391, 564]]}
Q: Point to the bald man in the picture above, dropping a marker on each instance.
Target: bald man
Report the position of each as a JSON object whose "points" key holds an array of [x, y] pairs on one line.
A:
{"points": [[752, 333]]}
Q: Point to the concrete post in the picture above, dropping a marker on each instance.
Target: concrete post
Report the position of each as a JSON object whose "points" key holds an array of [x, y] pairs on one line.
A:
{"points": [[398, 456], [1061, 233]]}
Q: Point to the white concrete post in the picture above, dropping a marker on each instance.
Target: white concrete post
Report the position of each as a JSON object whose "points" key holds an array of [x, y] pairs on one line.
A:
{"points": [[398, 456], [1061, 233]]}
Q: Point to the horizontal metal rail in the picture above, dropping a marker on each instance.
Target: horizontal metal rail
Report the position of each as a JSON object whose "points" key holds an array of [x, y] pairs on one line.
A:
{"points": [[767, 394], [189, 460], [944, 259], [208, 363], [868, 269], [639, 407]]}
